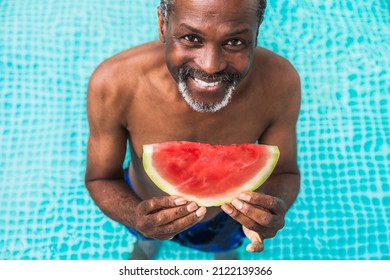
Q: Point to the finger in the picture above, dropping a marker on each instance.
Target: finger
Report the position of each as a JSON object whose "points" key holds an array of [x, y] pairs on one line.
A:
{"points": [[167, 231], [260, 216], [161, 202], [167, 215], [255, 247], [257, 244], [268, 202]]}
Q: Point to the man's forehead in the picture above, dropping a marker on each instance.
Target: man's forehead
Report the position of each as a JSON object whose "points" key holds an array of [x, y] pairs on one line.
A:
{"points": [[238, 10], [221, 2]]}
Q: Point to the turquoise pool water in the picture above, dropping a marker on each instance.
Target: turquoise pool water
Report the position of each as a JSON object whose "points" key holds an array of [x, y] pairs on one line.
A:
{"points": [[48, 50]]}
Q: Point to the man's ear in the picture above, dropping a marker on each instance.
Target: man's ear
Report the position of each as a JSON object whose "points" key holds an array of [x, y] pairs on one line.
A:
{"points": [[161, 25]]}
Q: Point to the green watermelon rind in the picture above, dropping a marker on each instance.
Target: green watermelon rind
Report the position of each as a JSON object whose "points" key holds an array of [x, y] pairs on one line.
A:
{"points": [[250, 185]]}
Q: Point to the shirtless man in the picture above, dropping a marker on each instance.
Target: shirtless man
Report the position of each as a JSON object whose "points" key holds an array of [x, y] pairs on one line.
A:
{"points": [[205, 80]]}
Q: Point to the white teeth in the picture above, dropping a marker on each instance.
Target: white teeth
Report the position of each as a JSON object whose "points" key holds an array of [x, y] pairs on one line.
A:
{"points": [[206, 84]]}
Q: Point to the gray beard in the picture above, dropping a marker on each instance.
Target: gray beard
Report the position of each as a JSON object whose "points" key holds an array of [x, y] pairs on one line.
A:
{"points": [[205, 107]]}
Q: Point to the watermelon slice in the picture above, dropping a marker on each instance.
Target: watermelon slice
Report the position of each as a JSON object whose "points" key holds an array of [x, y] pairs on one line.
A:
{"points": [[209, 175]]}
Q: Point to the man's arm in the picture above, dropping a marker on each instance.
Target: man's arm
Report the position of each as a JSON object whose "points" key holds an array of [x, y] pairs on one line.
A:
{"points": [[262, 213], [158, 217], [106, 152]]}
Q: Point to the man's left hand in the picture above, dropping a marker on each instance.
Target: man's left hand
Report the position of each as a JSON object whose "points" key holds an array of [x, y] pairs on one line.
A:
{"points": [[261, 216]]}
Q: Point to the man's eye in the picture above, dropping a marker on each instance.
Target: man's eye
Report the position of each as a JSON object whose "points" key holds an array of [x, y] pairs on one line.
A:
{"points": [[235, 42], [191, 38]]}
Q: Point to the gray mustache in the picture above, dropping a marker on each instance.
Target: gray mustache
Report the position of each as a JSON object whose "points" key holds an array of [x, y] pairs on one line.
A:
{"points": [[224, 76]]}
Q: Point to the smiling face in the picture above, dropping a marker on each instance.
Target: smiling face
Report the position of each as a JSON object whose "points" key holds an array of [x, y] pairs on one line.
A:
{"points": [[209, 48]]}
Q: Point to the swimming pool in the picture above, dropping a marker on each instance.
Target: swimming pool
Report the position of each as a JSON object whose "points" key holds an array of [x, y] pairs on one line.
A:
{"points": [[48, 49]]}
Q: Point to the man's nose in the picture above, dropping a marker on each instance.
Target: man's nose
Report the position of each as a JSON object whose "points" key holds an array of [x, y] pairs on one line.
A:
{"points": [[211, 60]]}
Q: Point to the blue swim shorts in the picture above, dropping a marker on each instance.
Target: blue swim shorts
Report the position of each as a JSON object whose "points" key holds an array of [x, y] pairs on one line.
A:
{"points": [[220, 234]]}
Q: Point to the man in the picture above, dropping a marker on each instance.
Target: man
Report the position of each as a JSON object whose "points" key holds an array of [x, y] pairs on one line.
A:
{"points": [[204, 81]]}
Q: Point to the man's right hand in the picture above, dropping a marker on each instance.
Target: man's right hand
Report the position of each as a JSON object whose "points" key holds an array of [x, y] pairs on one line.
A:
{"points": [[164, 217]]}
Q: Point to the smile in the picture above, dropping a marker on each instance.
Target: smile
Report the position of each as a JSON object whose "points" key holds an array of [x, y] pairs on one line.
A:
{"points": [[206, 84]]}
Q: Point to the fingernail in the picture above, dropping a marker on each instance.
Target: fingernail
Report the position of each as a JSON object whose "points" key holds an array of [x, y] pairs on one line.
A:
{"points": [[192, 207], [227, 208], [180, 201], [200, 212], [245, 197], [238, 204]]}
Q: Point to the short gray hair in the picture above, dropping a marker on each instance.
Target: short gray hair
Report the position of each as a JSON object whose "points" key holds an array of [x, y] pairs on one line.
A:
{"points": [[167, 6]]}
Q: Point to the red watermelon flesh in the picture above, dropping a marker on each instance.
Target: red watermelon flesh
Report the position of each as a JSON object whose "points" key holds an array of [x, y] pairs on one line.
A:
{"points": [[208, 174]]}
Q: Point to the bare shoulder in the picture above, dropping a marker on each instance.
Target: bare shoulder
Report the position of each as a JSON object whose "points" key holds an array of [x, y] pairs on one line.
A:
{"points": [[114, 77], [281, 81], [116, 82], [278, 72]]}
